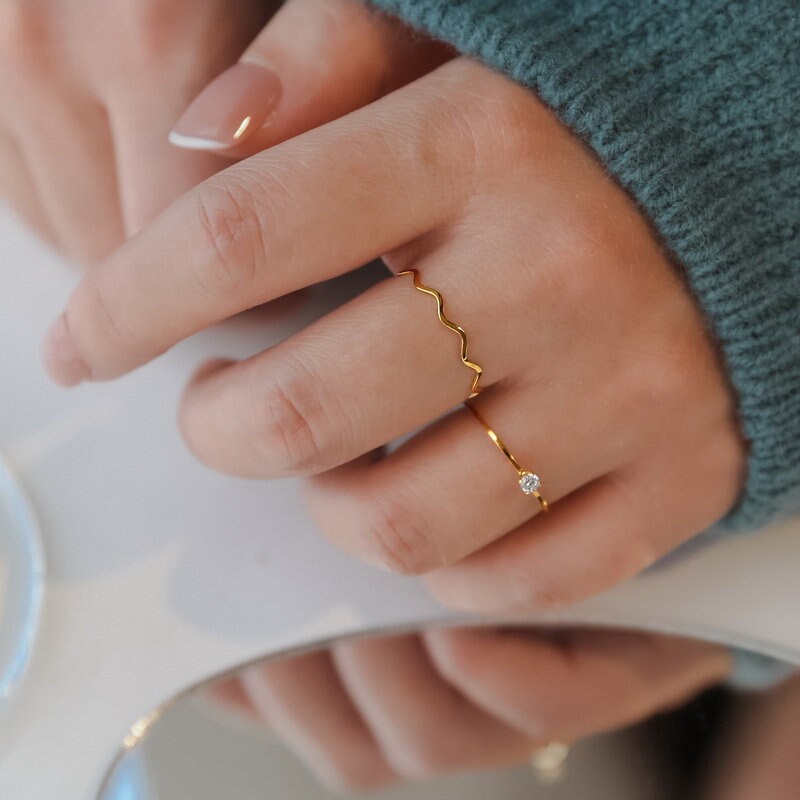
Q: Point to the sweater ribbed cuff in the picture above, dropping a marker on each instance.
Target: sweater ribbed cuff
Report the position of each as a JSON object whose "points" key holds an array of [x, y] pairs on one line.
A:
{"points": [[693, 106]]}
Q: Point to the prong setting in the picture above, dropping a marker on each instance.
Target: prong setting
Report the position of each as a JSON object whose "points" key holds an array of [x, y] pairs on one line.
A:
{"points": [[529, 482]]}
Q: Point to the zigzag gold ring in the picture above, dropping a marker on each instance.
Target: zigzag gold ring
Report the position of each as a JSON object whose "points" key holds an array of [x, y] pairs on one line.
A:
{"points": [[457, 329], [529, 482]]}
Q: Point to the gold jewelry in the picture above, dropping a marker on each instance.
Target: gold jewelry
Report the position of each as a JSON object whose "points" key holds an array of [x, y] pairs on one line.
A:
{"points": [[475, 389], [550, 762], [529, 481]]}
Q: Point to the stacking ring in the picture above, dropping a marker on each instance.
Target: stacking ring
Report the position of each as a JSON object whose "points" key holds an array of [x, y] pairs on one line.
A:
{"points": [[529, 482], [475, 388]]}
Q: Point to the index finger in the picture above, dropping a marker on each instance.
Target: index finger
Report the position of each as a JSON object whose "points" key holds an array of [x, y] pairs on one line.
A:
{"points": [[305, 211]]}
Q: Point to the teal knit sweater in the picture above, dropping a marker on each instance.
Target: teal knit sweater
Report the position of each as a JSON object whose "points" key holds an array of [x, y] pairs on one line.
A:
{"points": [[694, 105]]}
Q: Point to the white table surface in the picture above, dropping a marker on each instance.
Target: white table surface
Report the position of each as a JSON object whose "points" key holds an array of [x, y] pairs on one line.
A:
{"points": [[161, 573]]}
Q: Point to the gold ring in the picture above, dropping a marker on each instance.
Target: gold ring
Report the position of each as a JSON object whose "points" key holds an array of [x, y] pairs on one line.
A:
{"points": [[550, 762], [529, 482], [474, 389]]}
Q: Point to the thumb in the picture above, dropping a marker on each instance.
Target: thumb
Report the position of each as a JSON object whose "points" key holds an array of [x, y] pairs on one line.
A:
{"points": [[315, 61]]}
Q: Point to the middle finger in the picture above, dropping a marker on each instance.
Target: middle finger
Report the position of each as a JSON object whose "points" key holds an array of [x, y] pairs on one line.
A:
{"points": [[449, 492], [314, 401]]}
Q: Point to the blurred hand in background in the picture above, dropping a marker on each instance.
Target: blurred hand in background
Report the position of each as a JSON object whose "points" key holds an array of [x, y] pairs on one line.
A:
{"points": [[90, 90], [376, 711]]}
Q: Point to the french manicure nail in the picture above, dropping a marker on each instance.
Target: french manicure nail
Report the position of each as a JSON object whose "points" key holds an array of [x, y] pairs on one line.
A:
{"points": [[230, 109], [61, 358]]}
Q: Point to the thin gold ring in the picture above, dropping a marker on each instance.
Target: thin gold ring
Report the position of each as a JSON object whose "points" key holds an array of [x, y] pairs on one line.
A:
{"points": [[475, 388], [549, 763], [529, 482]]}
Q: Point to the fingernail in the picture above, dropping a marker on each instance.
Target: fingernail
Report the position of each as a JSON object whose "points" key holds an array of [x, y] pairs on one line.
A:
{"points": [[230, 109], [61, 359]]}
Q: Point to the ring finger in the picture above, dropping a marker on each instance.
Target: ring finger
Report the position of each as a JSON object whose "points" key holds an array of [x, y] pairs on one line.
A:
{"points": [[315, 402], [608, 531], [449, 492]]}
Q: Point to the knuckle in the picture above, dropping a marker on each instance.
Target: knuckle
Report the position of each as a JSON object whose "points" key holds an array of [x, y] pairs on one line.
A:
{"points": [[501, 128], [231, 230], [289, 424], [396, 539], [585, 248], [658, 384], [494, 122], [670, 377], [485, 133], [332, 20], [443, 143], [588, 239]]}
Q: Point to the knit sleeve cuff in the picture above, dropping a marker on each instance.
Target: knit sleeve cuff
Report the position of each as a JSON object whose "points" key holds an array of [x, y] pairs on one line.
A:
{"points": [[692, 105]]}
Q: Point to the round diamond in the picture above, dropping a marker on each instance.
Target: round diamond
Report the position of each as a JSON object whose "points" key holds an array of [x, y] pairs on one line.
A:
{"points": [[529, 482]]}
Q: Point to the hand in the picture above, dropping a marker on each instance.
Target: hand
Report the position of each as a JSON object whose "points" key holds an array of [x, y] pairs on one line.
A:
{"points": [[88, 93], [598, 369], [90, 90], [371, 712]]}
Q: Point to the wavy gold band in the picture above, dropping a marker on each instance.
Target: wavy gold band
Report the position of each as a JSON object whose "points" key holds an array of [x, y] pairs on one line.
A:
{"points": [[529, 482], [475, 388]]}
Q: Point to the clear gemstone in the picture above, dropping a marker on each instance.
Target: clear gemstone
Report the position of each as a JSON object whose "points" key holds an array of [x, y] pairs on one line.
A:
{"points": [[529, 482]]}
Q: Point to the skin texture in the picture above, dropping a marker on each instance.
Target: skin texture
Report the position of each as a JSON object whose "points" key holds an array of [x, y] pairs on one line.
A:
{"points": [[598, 371], [377, 711]]}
